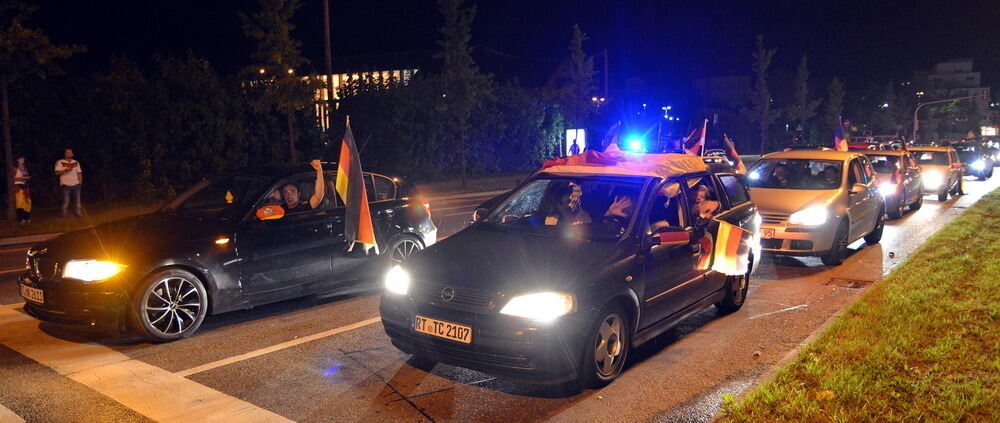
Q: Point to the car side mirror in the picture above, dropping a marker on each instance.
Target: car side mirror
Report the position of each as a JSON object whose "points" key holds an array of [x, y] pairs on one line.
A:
{"points": [[480, 214], [650, 241], [270, 212], [858, 189]]}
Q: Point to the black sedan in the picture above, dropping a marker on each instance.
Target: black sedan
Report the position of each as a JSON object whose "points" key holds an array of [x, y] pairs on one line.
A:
{"points": [[978, 161], [563, 277], [230, 242]]}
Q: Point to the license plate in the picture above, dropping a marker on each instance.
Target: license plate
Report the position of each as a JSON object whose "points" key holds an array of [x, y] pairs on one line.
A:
{"points": [[442, 329], [767, 233], [33, 294]]}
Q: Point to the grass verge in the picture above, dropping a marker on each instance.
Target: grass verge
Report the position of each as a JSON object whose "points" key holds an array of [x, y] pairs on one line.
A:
{"points": [[922, 345]]}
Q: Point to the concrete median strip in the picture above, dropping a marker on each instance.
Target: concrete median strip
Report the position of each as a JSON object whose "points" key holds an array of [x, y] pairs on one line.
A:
{"points": [[147, 389], [7, 416], [276, 347]]}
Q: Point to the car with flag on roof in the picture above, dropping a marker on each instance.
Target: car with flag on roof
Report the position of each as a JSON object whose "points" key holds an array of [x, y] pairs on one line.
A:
{"points": [[232, 241], [586, 259]]}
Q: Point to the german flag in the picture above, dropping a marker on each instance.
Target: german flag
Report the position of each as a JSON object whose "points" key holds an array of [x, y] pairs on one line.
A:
{"points": [[732, 250], [351, 187]]}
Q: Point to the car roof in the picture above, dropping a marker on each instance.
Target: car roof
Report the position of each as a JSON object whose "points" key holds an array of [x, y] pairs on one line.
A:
{"points": [[884, 152], [929, 148], [813, 154]]}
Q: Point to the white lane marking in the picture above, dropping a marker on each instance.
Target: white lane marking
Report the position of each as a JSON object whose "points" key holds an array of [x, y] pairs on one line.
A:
{"points": [[276, 347], [7, 416], [147, 389], [19, 269], [780, 311]]}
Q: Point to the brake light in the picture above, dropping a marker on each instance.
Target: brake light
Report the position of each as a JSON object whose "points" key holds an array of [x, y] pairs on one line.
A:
{"points": [[426, 204]]}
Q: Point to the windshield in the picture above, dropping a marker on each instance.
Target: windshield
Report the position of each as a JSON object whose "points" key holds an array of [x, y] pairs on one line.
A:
{"points": [[932, 157], [213, 196], [796, 174], [883, 163], [586, 207]]}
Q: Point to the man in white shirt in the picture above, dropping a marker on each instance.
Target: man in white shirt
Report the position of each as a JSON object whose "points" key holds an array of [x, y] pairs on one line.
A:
{"points": [[70, 180]]}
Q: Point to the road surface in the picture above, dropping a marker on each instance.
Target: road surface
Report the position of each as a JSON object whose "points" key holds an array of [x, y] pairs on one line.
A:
{"points": [[328, 359]]}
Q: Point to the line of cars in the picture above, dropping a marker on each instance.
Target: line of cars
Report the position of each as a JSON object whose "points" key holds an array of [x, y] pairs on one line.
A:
{"points": [[556, 280]]}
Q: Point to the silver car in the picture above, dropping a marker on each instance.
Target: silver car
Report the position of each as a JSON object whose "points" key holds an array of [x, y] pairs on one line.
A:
{"points": [[816, 202]]}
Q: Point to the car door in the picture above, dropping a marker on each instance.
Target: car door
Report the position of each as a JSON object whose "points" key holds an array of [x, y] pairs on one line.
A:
{"points": [[914, 183], [862, 206], [287, 257], [670, 274], [354, 264]]}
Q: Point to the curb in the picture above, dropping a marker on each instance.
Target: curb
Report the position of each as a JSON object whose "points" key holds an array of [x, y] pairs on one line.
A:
{"points": [[28, 239], [788, 357]]}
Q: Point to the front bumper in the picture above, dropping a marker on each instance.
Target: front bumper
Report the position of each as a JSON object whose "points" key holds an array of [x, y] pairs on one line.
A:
{"points": [[798, 240], [75, 304], [504, 346]]}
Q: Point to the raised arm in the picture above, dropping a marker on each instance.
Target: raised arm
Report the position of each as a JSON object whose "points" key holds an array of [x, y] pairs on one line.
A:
{"points": [[318, 192]]}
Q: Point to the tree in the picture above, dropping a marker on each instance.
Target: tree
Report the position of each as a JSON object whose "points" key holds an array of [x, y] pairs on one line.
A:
{"points": [[465, 88], [802, 108], [580, 81], [834, 108], [24, 52], [276, 87], [760, 110]]}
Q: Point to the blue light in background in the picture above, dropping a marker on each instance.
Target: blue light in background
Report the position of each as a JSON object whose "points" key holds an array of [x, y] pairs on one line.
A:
{"points": [[636, 145], [332, 369]]}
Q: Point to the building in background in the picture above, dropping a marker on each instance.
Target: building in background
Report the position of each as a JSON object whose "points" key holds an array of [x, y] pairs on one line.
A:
{"points": [[954, 78]]}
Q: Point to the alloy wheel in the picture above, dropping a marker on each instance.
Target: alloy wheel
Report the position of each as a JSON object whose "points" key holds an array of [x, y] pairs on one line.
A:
{"points": [[172, 305], [608, 346], [403, 250]]}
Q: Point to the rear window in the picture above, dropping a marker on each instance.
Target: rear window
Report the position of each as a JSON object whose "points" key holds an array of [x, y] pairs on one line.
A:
{"points": [[884, 163], [931, 157], [735, 190]]}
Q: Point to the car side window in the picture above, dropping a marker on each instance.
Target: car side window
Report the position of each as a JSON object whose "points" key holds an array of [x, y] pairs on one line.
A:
{"points": [[294, 193], [735, 190], [665, 209], [370, 187], [869, 171], [385, 189], [703, 198], [856, 175]]}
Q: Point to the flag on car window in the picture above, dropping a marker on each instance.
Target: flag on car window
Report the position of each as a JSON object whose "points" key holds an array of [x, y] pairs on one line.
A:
{"points": [[732, 250], [351, 187]]}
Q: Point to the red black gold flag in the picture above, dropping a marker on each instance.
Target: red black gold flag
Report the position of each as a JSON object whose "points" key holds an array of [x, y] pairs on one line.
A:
{"points": [[732, 250], [351, 187]]}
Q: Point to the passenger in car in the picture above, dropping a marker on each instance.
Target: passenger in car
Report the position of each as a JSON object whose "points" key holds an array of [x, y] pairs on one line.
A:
{"points": [[567, 210], [779, 176], [290, 192], [831, 178], [702, 205]]}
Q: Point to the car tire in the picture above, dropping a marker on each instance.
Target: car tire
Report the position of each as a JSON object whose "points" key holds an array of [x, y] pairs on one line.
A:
{"points": [[168, 305], [402, 247], [609, 341], [916, 205], [943, 196], [897, 212], [736, 292], [875, 235], [838, 251]]}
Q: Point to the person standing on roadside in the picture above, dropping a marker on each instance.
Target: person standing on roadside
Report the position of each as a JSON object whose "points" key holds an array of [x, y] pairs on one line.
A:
{"points": [[70, 180], [22, 195]]}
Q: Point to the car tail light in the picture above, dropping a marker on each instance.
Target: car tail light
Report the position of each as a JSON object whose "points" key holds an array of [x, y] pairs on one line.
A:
{"points": [[427, 205]]}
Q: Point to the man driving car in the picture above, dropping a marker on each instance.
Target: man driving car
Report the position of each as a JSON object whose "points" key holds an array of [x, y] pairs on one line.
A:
{"points": [[291, 196]]}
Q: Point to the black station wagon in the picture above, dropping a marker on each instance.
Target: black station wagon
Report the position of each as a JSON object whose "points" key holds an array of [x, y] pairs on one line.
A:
{"points": [[579, 264], [213, 249]]}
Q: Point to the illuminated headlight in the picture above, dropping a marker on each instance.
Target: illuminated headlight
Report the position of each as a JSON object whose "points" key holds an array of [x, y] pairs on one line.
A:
{"points": [[397, 281], [978, 165], [91, 270], [542, 306], [887, 189], [932, 180], [755, 175], [813, 216]]}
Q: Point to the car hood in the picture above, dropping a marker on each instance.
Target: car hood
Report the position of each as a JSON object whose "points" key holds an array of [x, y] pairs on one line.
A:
{"points": [[787, 201], [512, 262], [132, 237]]}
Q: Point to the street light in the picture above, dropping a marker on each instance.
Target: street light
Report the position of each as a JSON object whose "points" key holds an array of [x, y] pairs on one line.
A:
{"points": [[916, 121]]}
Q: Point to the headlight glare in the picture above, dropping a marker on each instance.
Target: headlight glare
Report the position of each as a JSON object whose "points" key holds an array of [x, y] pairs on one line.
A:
{"points": [[91, 270], [397, 281], [978, 165], [887, 189], [933, 179], [812, 216], [541, 306]]}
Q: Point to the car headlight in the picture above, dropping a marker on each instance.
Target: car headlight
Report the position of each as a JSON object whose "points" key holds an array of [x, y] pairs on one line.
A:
{"points": [[91, 270], [933, 179], [887, 188], [397, 281], [542, 306], [812, 216], [978, 165]]}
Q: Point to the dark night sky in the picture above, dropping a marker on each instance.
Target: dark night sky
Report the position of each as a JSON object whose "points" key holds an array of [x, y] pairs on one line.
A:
{"points": [[665, 43]]}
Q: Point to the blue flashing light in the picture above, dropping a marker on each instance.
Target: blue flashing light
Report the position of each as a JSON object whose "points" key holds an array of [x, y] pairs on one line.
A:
{"points": [[636, 145]]}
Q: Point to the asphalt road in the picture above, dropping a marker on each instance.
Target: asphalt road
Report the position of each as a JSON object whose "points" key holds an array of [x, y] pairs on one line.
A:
{"points": [[327, 359]]}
